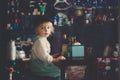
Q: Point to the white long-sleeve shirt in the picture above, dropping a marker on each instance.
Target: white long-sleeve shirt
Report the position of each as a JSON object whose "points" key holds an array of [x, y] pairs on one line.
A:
{"points": [[41, 50]]}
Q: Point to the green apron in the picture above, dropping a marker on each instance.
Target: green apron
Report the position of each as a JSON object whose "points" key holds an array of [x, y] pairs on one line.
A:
{"points": [[41, 68]]}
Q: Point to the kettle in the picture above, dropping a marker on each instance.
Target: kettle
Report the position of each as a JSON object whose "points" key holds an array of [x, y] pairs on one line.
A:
{"points": [[20, 54]]}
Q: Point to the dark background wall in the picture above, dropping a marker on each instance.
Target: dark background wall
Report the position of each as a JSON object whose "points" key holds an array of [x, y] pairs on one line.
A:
{"points": [[119, 36], [3, 36]]}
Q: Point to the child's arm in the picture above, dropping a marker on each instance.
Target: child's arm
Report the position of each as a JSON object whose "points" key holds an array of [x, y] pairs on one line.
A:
{"points": [[39, 51], [58, 59]]}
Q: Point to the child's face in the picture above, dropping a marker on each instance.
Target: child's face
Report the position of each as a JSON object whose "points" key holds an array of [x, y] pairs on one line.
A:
{"points": [[44, 30]]}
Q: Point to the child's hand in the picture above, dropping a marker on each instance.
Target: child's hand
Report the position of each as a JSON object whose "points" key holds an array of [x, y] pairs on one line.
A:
{"points": [[61, 58]]}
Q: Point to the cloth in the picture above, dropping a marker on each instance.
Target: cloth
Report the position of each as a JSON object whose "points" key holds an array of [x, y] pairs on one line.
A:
{"points": [[41, 60], [41, 50]]}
